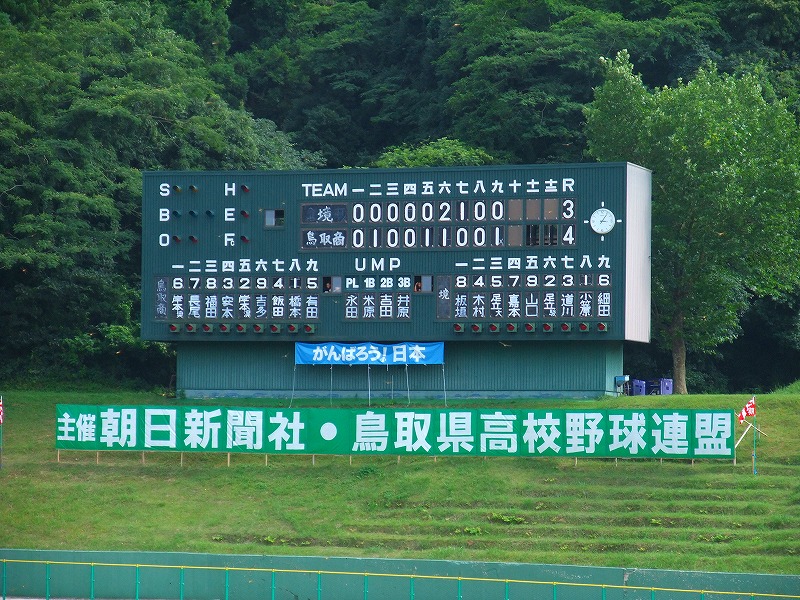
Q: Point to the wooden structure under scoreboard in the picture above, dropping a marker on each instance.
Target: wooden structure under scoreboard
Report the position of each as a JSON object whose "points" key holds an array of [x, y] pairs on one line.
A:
{"points": [[533, 276]]}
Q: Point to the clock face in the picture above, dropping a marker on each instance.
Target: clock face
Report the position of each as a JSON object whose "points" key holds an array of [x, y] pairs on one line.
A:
{"points": [[602, 221]]}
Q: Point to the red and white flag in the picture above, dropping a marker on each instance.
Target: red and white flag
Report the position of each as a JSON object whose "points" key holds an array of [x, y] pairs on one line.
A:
{"points": [[1, 410], [749, 410]]}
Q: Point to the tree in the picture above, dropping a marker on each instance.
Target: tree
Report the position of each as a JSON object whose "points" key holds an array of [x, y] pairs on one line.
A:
{"points": [[93, 92], [310, 72], [726, 203], [527, 68], [347, 78], [443, 152], [767, 354]]}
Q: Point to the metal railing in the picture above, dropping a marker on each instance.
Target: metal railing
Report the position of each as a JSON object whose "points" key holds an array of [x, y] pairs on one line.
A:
{"points": [[63, 579]]}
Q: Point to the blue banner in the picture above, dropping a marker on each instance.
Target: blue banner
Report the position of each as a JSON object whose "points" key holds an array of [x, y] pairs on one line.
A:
{"points": [[367, 353]]}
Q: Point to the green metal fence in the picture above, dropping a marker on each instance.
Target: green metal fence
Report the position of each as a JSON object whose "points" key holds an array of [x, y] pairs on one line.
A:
{"points": [[23, 578]]}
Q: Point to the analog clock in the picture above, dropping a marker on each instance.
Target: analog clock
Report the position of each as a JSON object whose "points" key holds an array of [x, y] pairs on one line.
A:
{"points": [[602, 221]]}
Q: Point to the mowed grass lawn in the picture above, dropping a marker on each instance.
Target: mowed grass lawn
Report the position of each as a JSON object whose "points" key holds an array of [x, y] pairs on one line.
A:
{"points": [[710, 515]]}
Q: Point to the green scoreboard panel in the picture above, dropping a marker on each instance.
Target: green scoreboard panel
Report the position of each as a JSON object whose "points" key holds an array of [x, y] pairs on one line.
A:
{"points": [[533, 252]]}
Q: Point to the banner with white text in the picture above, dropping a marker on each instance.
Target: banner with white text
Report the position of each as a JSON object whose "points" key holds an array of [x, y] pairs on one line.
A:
{"points": [[435, 432], [368, 353]]}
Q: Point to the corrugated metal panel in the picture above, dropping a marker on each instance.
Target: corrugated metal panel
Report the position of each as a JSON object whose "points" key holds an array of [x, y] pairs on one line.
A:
{"points": [[511, 370]]}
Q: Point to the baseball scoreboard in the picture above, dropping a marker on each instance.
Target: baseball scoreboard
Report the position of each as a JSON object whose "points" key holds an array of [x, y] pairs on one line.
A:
{"points": [[533, 252]]}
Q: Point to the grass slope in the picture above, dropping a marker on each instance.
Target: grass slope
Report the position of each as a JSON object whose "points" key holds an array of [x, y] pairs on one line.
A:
{"points": [[635, 513]]}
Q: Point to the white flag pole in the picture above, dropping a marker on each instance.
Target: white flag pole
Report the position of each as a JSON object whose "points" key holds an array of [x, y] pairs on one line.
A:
{"points": [[755, 472], [749, 425]]}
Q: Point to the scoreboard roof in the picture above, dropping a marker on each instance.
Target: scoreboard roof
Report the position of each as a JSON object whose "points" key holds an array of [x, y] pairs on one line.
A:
{"points": [[538, 252]]}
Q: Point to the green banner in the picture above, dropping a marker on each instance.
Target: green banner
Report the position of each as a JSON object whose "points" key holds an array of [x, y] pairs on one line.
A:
{"points": [[434, 432]]}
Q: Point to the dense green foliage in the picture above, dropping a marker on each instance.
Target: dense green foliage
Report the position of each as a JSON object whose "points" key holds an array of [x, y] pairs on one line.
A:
{"points": [[707, 516], [443, 152], [726, 209], [92, 92]]}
